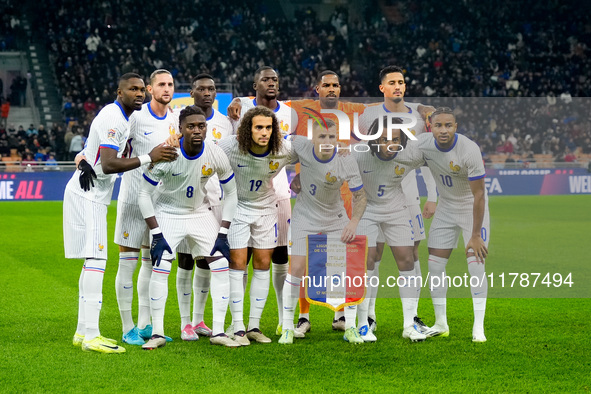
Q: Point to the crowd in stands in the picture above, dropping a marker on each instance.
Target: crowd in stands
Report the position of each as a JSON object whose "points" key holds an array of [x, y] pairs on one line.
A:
{"points": [[447, 48]]}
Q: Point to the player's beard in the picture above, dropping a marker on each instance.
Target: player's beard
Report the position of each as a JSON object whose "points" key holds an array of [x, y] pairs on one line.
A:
{"points": [[163, 101], [397, 100]]}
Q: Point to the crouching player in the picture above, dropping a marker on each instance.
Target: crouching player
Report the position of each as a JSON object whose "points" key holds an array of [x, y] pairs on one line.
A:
{"points": [[183, 214]]}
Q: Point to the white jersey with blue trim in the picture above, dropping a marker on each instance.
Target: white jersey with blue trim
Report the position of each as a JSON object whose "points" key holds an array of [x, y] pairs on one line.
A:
{"points": [[218, 127], [321, 181], [183, 181], [254, 176], [109, 130], [287, 118], [382, 182], [146, 131], [409, 184], [452, 168]]}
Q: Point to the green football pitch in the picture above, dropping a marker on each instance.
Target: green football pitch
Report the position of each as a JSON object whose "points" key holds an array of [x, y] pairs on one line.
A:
{"points": [[538, 337]]}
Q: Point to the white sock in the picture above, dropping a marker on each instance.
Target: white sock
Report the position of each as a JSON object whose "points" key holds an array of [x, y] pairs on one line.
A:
{"points": [[158, 295], [183, 294], [279, 272], [220, 293], [407, 288], [237, 299], [201, 283], [418, 275], [304, 316], [350, 315], [244, 280], [81, 327], [371, 312], [338, 315], [362, 313], [143, 289], [479, 292], [291, 293], [124, 287], [92, 284], [259, 291], [438, 288]]}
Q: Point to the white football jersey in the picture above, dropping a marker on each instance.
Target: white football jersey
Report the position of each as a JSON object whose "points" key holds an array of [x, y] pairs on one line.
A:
{"points": [[382, 182], [453, 168], [146, 131], [254, 176], [288, 123], [320, 197], [183, 180], [409, 184], [109, 130], [218, 127]]}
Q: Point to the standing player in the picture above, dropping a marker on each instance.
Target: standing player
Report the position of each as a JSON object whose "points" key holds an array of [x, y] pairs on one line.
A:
{"points": [[86, 201], [147, 128], [393, 87], [457, 164], [257, 154], [387, 214], [183, 214], [319, 209], [203, 91], [328, 88], [266, 85]]}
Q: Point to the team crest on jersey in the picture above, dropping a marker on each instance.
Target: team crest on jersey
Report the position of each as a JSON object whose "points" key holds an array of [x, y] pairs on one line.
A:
{"points": [[111, 134], [454, 168], [273, 166], [171, 129], [330, 178], [216, 134], [399, 170], [284, 126], [125, 235], [205, 171], [101, 247]]}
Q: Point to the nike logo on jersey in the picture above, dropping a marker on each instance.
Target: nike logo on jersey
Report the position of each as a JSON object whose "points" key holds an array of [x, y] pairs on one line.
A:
{"points": [[177, 174], [240, 165], [367, 172], [146, 133]]}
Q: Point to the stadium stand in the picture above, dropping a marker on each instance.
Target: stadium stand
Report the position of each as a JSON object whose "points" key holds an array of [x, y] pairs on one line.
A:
{"points": [[448, 49]]}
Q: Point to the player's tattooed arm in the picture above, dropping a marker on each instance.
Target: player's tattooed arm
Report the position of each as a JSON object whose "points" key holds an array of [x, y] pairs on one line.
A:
{"points": [[476, 243], [359, 204], [425, 111]]}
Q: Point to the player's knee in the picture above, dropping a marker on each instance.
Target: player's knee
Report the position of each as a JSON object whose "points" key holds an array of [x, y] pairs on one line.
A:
{"points": [[185, 261], [203, 263], [280, 255]]}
